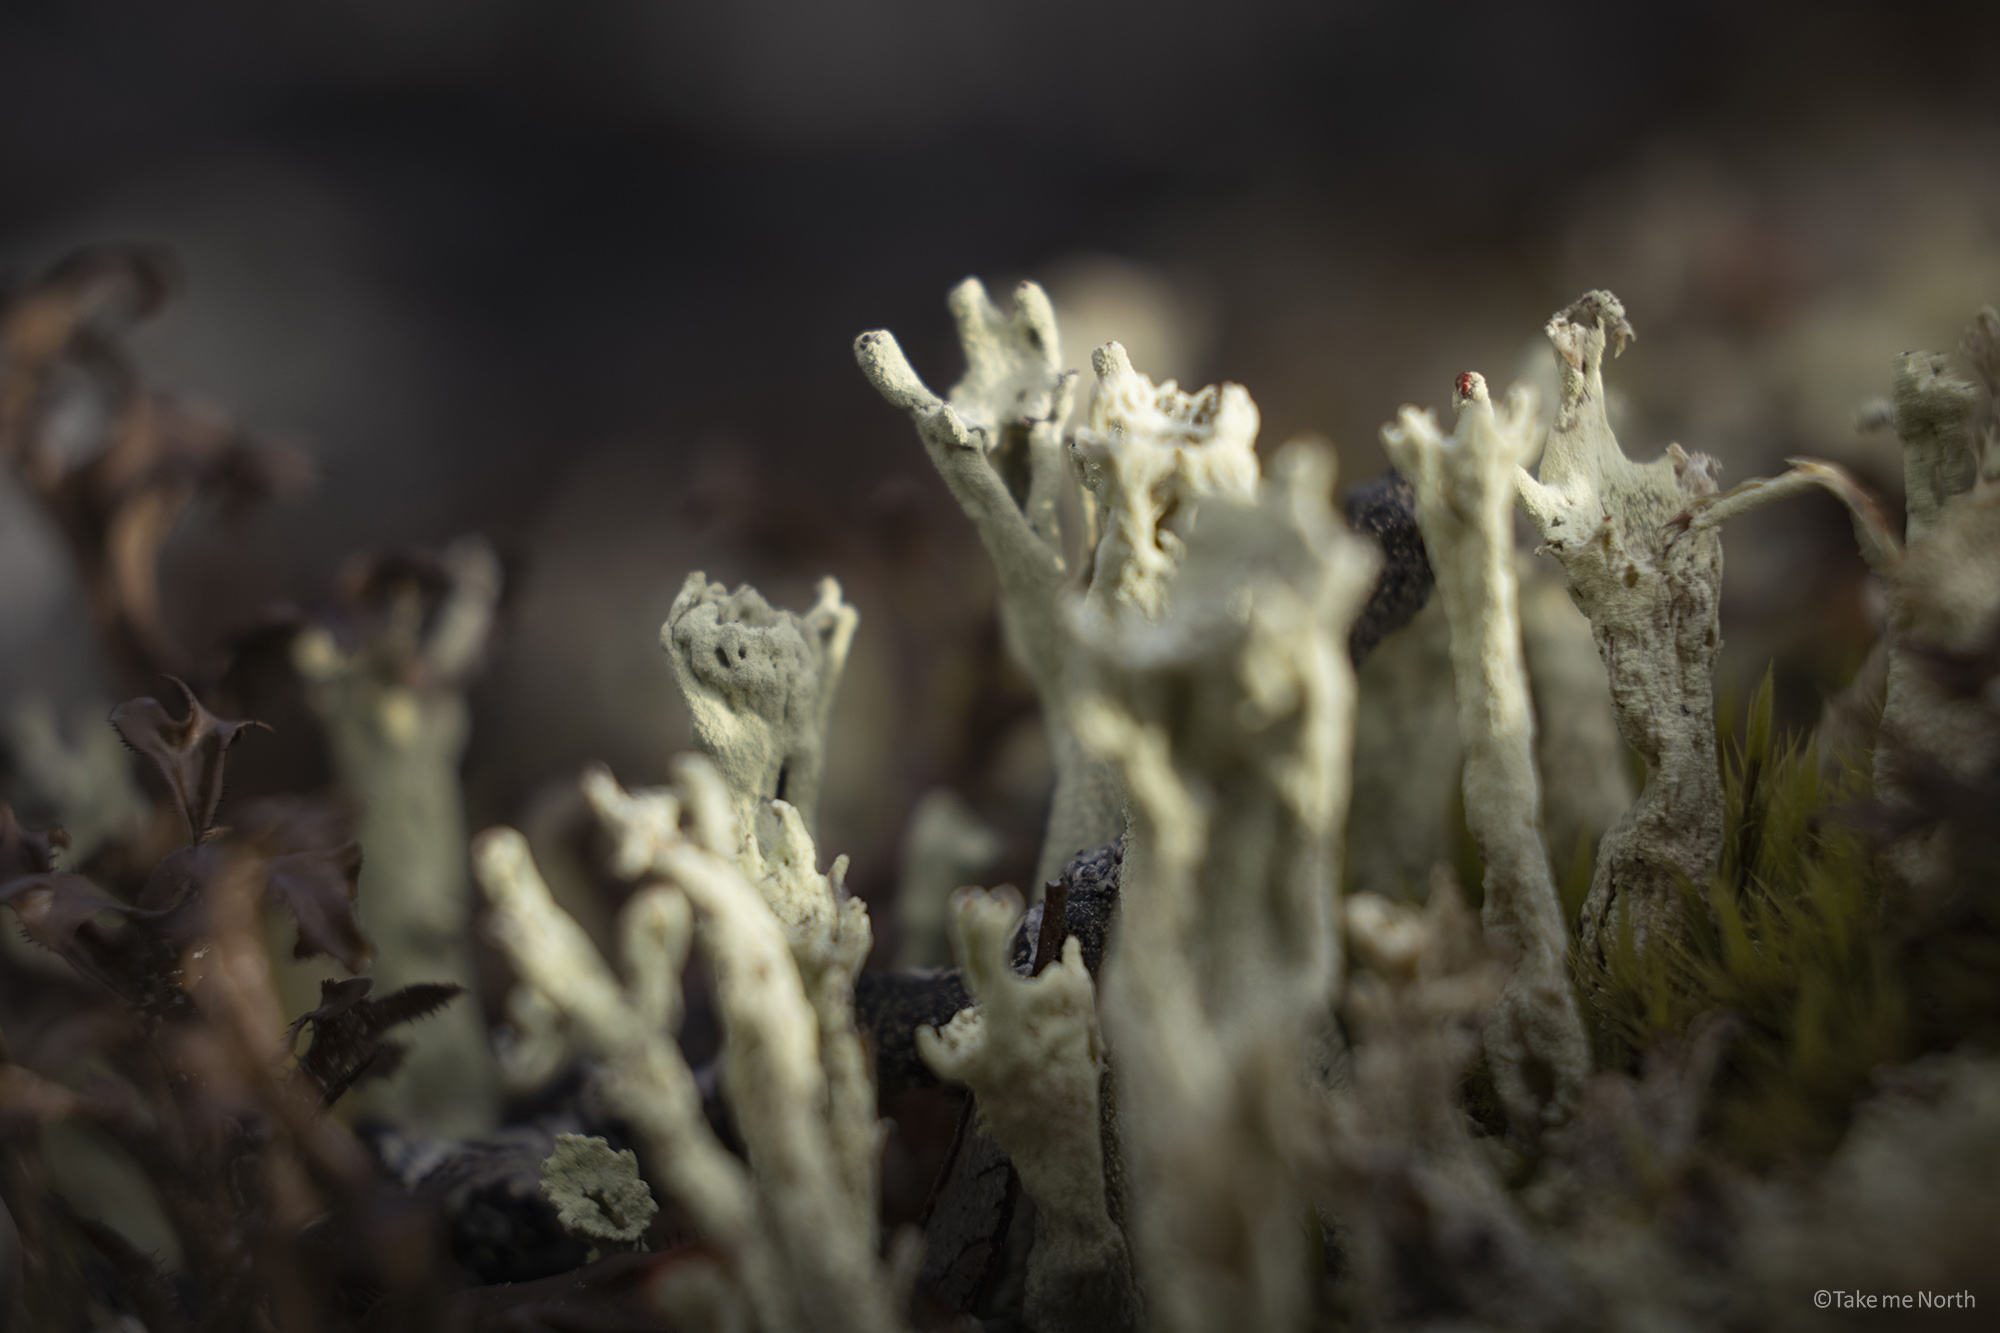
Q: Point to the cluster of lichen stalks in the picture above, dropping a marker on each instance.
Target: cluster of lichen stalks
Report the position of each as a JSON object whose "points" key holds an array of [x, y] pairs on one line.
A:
{"points": [[1219, 1108], [1242, 1101]]}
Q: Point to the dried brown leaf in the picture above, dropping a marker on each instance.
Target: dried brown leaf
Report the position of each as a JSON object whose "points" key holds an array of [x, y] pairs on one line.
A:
{"points": [[54, 906], [26, 851], [318, 888], [188, 752]]}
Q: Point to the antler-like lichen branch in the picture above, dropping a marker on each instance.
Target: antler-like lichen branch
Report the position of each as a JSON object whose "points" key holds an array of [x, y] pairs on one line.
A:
{"points": [[1465, 501], [1031, 1053]]}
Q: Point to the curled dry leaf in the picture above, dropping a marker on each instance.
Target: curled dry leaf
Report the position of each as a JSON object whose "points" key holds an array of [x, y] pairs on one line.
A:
{"points": [[54, 907], [188, 752]]}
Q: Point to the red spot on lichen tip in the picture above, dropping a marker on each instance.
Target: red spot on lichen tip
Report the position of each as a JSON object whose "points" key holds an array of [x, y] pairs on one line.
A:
{"points": [[1465, 385]]}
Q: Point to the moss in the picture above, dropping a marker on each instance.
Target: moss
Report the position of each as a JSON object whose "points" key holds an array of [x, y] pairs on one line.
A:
{"points": [[1787, 937]]}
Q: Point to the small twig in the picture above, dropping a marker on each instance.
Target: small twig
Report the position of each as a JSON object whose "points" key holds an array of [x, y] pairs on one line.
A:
{"points": [[1055, 916]]}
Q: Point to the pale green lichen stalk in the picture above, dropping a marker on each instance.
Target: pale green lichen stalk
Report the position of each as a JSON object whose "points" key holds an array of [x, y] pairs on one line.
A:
{"points": [[946, 848], [1586, 777], [1406, 761], [395, 716], [760, 684], [1465, 503], [784, 942], [1231, 722], [797, 1225], [1031, 1052], [996, 440], [1146, 457], [1149, 455], [1944, 592]]}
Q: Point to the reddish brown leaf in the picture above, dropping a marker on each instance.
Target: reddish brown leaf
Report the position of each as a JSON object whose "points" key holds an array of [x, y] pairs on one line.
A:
{"points": [[117, 495], [55, 908], [318, 889], [188, 752], [26, 851]]}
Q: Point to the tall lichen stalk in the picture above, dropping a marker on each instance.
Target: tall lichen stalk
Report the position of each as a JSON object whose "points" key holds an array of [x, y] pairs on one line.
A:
{"points": [[996, 440], [1465, 500], [1653, 604], [396, 720], [1231, 722], [725, 865], [759, 684], [1146, 458], [1032, 1052], [1945, 593]]}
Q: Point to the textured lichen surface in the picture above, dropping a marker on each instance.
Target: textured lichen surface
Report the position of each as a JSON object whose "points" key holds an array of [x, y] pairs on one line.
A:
{"points": [[1252, 1061], [397, 722], [597, 1190], [1653, 603], [1464, 488], [759, 683]]}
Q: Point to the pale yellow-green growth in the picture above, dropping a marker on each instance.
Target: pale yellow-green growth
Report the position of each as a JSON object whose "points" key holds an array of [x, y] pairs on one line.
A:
{"points": [[1146, 457], [598, 1193], [396, 720], [783, 942], [946, 848], [1230, 719], [759, 684], [1150, 455], [1464, 488], [1031, 1053]]}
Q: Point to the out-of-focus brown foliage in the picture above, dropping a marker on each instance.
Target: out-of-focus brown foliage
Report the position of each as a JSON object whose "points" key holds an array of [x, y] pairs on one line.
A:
{"points": [[283, 1216], [114, 461]]}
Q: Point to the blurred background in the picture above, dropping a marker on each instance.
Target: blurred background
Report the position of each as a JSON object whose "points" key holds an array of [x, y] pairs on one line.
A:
{"points": [[583, 276]]}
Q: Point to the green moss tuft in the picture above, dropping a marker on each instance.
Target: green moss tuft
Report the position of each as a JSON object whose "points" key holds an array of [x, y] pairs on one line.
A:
{"points": [[1787, 938]]}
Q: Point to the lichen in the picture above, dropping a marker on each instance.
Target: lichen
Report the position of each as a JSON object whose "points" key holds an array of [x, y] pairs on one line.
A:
{"points": [[1465, 501], [759, 684], [394, 711], [1653, 603], [1231, 722], [1031, 1052], [996, 440], [598, 1193], [1149, 455], [1146, 458]]}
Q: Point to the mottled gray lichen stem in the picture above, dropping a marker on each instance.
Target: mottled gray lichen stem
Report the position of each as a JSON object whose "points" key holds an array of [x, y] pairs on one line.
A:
{"points": [[1652, 602], [1465, 500]]}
